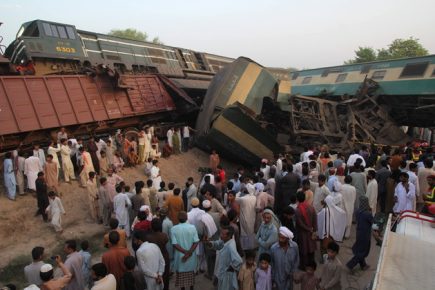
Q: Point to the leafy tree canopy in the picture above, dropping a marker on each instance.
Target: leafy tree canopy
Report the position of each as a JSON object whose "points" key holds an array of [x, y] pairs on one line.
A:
{"points": [[134, 34], [399, 48]]}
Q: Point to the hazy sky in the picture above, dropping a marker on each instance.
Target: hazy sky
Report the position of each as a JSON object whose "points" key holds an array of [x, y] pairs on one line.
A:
{"points": [[301, 34]]}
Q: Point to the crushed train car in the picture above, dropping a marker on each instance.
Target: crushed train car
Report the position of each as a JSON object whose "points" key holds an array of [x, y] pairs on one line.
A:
{"points": [[265, 117]]}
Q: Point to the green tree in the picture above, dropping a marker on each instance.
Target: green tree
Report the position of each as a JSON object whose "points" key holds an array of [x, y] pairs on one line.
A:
{"points": [[363, 54], [399, 48], [134, 34]]}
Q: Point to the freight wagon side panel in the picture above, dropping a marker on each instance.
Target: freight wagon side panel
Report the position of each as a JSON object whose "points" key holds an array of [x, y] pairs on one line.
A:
{"points": [[21, 104], [93, 96], [7, 120]]}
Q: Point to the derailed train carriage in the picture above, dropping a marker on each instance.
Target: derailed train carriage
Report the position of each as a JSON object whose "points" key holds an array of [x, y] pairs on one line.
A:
{"points": [[55, 75], [249, 114]]}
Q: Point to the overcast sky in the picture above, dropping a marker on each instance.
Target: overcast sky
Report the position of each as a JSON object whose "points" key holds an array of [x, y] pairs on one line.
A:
{"points": [[280, 33]]}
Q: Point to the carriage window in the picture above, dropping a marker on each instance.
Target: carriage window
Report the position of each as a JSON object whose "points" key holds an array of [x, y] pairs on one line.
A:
{"points": [[54, 30], [379, 74], [306, 80], [341, 78], [70, 32], [416, 69], [295, 75], [325, 73], [433, 73], [62, 32], [47, 29]]}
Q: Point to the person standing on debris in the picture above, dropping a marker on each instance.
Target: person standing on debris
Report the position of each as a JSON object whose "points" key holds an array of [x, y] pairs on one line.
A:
{"points": [[9, 176], [38, 152]]}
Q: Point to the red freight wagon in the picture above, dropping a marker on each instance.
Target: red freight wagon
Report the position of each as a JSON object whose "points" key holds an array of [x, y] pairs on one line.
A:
{"points": [[32, 108]]}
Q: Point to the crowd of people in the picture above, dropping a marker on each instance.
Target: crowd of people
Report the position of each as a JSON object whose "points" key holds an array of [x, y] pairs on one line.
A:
{"points": [[260, 229]]}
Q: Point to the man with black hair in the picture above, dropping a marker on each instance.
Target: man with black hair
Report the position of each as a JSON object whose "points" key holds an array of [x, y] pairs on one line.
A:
{"points": [[113, 224], [42, 196], [229, 260], [113, 259], [150, 261], [348, 192], [191, 192], [184, 238], [74, 263], [331, 273], [161, 240], [102, 280], [31, 271], [285, 187], [372, 190], [9, 176], [175, 204], [321, 193], [132, 279], [47, 277], [382, 176], [404, 194]]}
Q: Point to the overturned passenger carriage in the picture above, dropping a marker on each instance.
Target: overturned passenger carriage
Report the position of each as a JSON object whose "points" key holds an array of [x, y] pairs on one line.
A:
{"points": [[249, 114]]}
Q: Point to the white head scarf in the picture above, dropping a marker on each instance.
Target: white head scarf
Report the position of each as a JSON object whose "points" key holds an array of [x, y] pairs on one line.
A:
{"points": [[145, 208], [251, 188], [331, 220], [286, 232]]}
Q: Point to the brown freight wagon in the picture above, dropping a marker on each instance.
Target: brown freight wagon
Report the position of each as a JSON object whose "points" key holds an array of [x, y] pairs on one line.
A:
{"points": [[33, 108]]}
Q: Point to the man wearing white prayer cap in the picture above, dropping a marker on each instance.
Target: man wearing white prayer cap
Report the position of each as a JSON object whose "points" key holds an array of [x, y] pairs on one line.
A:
{"points": [[48, 281], [285, 258], [32, 287]]}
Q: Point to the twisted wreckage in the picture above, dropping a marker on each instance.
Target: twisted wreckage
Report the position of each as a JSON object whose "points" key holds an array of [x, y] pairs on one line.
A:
{"points": [[246, 115]]}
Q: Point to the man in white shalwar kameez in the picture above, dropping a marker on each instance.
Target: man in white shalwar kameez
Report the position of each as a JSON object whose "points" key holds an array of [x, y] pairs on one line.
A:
{"points": [[348, 193], [247, 202], [55, 209], [113, 180], [9, 176], [53, 150], [404, 194], [155, 175], [150, 261], [169, 135], [372, 190], [19, 171], [38, 152], [194, 218], [32, 167], [147, 148], [335, 220], [67, 166], [121, 206]]}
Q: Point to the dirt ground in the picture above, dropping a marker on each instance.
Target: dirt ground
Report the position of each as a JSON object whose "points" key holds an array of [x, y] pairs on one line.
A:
{"points": [[20, 230]]}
